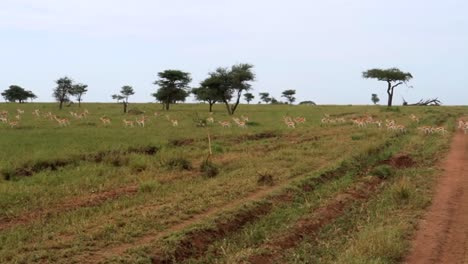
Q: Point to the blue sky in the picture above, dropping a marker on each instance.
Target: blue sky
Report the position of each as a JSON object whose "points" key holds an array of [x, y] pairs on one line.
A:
{"points": [[318, 48]]}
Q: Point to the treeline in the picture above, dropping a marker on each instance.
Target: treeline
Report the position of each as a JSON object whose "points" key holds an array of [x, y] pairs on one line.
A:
{"points": [[225, 85]]}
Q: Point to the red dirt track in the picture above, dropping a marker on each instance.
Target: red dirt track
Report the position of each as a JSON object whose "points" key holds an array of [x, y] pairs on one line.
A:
{"points": [[442, 236]]}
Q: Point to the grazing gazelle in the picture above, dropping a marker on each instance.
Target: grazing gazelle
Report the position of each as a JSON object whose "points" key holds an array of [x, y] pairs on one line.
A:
{"points": [[105, 120], [128, 123], [225, 124]]}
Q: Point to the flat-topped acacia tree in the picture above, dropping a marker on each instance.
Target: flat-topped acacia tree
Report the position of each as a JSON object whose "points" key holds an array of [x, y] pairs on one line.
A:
{"points": [[289, 95], [17, 93], [173, 87], [249, 97], [393, 76], [230, 83], [265, 97]]}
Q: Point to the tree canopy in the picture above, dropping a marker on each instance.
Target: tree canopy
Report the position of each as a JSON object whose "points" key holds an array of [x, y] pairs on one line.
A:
{"points": [[173, 87], [17, 93], [265, 97], [207, 94], [63, 90], [248, 97], [393, 76], [78, 91], [289, 95], [230, 83], [375, 98]]}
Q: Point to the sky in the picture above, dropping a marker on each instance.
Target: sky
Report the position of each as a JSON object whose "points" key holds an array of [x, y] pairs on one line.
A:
{"points": [[318, 48]]}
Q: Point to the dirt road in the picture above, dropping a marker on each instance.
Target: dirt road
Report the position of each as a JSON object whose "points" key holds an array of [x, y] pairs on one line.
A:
{"points": [[442, 236]]}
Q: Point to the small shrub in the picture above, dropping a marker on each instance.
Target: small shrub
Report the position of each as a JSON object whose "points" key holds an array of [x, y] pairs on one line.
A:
{"points": [[265, 178], [8, 173], [138, 165], [383, 171], [402, 191], [252, 124], [179, 164], [117, 160], [209, 169], [216, 148], [148, 186], [357, 137]]}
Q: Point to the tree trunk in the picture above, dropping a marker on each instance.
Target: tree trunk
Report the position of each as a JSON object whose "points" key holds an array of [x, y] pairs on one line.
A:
{"points": [[79, 102], [390, 94], [211, 107], [228, 107], [167, 106], [234, 107], [125, 107], [61, 103]]}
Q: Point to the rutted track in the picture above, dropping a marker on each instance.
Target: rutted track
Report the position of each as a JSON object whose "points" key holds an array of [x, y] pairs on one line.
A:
{"points": [[69, 205], [190, 246], [308, 226]]}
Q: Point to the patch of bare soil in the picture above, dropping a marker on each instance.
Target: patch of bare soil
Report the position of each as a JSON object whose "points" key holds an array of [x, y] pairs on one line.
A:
{"points": [[400, 161], [308, 227], [442, 236], [72, 204]]}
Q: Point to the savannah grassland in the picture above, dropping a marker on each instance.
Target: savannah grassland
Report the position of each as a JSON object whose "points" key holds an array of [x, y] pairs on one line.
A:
{"points": [[332, 193]]}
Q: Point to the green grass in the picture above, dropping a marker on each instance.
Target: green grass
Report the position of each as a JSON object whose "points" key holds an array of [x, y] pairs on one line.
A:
{"points": [[135, 194]]}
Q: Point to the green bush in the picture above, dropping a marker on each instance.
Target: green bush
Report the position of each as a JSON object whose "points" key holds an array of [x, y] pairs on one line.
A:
{"points": [[209, 169], [179, 164], [383, 171], [148, 186]]}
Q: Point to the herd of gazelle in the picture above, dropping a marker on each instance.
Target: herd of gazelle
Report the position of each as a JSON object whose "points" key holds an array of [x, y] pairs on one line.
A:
{"points": [[391, 125], [241, 122]]}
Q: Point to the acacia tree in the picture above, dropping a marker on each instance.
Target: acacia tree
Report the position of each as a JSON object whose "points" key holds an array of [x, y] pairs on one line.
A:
{"points": [[125, 93], [63, 90], [393, 76], [78, 91], [173, 87], [248, 97], [289, 95], [241, 76], [229, 83], [375, 98], [17, 93], [265, 97], [207, 94]]}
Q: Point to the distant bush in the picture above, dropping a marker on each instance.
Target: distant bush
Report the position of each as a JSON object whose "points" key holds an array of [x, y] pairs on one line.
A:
{"points": [[307, 103]]}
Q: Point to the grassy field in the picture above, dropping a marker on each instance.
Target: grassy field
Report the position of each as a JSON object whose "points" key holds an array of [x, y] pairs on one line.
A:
{"points": [[318, 193]]}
